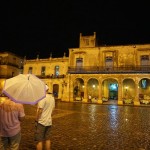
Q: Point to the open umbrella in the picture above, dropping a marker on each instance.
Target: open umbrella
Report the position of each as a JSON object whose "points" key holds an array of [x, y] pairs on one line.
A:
{"points": [[25, 89]]}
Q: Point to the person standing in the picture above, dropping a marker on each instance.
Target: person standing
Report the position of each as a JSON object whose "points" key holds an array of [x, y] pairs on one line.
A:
{"points": [[11, 114], [90, 98], [43, 121]]}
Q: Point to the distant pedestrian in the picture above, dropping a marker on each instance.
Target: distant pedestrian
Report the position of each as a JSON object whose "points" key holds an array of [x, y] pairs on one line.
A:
{"points": [[90, 98], [11, 114], [44, 121]]}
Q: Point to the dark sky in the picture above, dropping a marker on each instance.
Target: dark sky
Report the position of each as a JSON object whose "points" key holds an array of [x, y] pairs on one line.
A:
{"points": [[29, 28]]}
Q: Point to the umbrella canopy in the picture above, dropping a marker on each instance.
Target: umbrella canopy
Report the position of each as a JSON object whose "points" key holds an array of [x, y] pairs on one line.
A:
{"points": [[25, 89]]}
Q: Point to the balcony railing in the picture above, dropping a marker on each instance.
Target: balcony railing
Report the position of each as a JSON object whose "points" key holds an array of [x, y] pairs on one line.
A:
{"points": [[51, 76], [108, 70], [40, 76]]}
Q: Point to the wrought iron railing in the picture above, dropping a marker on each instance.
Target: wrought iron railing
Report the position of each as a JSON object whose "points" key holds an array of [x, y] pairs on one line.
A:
{"points": [[51, 76], [40, 76], [108, 70]]}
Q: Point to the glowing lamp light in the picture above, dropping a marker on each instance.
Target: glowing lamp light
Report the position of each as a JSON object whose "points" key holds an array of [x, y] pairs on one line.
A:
{"points": [[126, 88]]}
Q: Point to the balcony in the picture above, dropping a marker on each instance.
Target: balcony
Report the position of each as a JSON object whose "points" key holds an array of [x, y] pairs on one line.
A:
{"points": [[51, 76], [108, 70]]}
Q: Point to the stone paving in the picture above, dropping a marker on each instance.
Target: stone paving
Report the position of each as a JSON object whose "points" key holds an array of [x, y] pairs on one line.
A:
{"points": [[78, 126]]}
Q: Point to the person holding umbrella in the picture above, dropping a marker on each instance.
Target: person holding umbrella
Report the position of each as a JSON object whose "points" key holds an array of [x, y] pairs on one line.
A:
{"points": [[21, 89], [43, 121], [11, 114]]}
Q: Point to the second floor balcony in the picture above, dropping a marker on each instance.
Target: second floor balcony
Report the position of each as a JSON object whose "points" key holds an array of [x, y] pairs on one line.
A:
{"points": [[51, 76], [108, 70]]}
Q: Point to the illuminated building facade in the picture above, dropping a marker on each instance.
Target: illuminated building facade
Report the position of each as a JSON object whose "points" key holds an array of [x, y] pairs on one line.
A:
{"points": [[119, 73], [53, 71], [109, 72]]}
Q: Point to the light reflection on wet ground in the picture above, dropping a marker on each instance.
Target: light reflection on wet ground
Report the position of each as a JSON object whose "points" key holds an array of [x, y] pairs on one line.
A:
{"points": [[78, 126]]}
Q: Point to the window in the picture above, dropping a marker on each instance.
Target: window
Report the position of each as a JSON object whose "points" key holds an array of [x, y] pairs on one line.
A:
{"points": [[143, 83], [144, 60], [86, 41], [43, 69], [109, 62], [30, 70], [79, 62], [144, 57], [57, 70]]}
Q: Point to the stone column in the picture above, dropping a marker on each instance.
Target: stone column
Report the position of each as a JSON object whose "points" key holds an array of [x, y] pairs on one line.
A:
{"points": [[65, 92], [100, 93], [85, 99], [136, 99], [120, 86], [71, 91]]}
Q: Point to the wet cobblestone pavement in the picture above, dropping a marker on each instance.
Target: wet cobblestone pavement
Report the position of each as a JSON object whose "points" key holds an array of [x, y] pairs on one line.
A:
{"points": [[78, 126]]}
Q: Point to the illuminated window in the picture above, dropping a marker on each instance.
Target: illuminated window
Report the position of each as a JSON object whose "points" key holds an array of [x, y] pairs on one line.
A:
{"points": [[113, 87], [143, 83], [57, 70]]}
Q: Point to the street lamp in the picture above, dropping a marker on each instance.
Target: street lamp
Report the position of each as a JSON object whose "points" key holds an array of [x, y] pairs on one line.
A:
{"points": [[126, 88]]}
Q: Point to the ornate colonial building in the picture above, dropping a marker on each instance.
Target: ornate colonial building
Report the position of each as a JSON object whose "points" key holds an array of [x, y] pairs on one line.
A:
{"points": [[109, 72], [53, 71], [106, 73], [10, 65]]}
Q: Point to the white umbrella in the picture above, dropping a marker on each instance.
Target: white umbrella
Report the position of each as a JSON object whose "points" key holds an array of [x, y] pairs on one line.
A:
{"points": [[25, 89]]}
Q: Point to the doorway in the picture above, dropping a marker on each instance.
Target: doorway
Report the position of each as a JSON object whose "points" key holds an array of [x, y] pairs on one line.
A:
{"points": [[55, 90]]}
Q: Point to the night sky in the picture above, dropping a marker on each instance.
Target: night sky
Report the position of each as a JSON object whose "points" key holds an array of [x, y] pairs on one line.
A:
{"points": [[29, 28]]}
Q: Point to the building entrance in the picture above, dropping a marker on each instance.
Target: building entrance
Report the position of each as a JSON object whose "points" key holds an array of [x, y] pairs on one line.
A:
{"points": [[55, 90], [110, 90], [113, 91]]}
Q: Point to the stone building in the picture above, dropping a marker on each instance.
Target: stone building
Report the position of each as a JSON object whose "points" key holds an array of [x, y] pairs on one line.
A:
{"points": [[10, 65], [53, 71], [119, 73], [109, 72]]}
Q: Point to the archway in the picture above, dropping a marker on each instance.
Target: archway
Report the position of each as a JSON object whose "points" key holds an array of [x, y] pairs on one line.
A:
{"points": [[144, 88], [55, 90], [78, 89], [128, 91], [92, 90], [109, 89]]}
